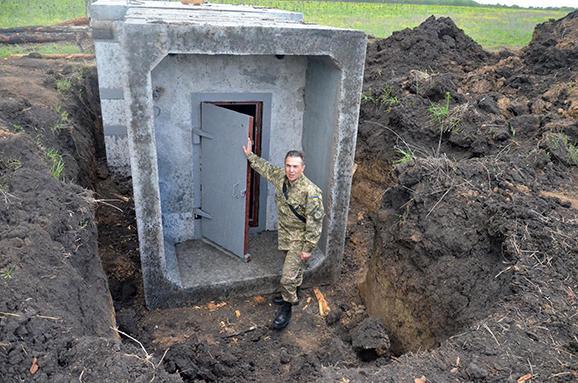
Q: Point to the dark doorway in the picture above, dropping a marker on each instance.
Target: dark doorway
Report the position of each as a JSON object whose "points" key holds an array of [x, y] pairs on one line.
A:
{"points": [[255, 110]]}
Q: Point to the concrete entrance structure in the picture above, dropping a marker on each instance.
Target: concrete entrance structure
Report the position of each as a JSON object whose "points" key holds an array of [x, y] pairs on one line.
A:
{"points": [[181, 88]]}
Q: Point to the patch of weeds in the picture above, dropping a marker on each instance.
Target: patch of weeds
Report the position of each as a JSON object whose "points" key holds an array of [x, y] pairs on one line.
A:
{"points": [[14, 164], [17, 128], [56, 163], [561, 142], [388, 98], [39, 141], [84, 223], [11, 164], [6, 197], [63, 85], [440, 111], [405, 156], [8, 272], [512, 132], [63, 119], [573, 153], [368, 97]]}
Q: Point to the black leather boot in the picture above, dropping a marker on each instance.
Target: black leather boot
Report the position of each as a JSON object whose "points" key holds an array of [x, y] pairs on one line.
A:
{"points": [[283, 316]]}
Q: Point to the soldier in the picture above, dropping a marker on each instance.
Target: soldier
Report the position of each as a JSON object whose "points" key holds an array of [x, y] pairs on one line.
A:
{"points": [[300, 218]]}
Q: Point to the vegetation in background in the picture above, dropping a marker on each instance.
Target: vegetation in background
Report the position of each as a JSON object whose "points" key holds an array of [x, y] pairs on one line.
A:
{"points": [[39, 12], [16, 49], [492, 27]]}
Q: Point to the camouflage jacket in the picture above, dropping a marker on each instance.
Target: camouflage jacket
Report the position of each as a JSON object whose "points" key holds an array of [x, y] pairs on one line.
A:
{"points": [[306, 199]]}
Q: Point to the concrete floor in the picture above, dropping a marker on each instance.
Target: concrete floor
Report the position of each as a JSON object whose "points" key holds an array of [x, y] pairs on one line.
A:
{"points": [[201, 264]]}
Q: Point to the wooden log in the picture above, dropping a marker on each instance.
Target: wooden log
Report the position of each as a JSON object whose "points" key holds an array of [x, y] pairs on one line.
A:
{"points": [[28, 35], [56, 56]]}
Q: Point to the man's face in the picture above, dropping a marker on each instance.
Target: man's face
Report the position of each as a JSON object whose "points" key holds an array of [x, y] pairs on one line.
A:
{"points": [[294, 168]]}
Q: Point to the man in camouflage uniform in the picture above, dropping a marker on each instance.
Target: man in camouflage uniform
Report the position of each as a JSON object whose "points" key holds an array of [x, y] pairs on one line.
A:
{"points": [[300, 218]]}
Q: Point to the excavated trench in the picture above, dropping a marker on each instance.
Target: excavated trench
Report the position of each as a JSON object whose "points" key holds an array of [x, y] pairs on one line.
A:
{"points": [[428, 274], [435, 243], [404, 288]]}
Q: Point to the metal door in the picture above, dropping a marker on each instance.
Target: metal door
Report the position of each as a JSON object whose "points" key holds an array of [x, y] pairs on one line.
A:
{"points": [[224, 177]]}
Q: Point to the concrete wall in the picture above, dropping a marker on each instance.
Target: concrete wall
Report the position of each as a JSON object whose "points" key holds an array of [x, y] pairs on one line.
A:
{"points": [[180, 79], [111, 76], [132, 39], [320, 120]]}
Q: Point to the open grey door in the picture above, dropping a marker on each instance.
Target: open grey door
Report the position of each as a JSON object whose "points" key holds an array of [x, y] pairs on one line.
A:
{"points": [[224, 178]]}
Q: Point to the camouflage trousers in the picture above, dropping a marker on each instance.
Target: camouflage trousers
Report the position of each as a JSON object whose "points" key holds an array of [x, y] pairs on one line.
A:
{"points": [[292, 275]]}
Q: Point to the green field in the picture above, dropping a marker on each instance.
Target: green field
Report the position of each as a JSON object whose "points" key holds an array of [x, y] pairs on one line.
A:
{"points": [[492, 27], [19, 13]]}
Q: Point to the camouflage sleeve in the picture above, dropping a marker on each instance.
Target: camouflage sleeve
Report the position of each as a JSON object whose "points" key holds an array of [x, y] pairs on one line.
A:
{"points": [[264, 168], [314, 213]]}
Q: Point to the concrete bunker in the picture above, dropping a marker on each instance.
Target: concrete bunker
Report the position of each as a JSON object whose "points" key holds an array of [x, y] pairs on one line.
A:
{"points": [[182, 87]]}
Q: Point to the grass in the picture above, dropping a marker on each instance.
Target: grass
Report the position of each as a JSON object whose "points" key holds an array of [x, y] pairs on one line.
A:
{"points": [[56, 163], [8, 272], [39, 12], [16, 128], [51, 48], [13, 164], [386, 98], [405, 156], [561, 140], [63, 118], [492, 27], [440, 111], [63, 85]]}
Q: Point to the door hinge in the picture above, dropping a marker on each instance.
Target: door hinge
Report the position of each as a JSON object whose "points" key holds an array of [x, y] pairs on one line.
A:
{"points": [[201, 133], [198, 212]]}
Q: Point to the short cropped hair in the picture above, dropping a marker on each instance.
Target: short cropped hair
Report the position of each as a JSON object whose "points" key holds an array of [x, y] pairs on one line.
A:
{"points": [[295, 154]]}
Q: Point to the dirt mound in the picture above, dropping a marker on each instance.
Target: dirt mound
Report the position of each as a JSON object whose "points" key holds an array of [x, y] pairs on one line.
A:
{"points": [[436, 44], [56, 314], [471, 174], [554, 45]]}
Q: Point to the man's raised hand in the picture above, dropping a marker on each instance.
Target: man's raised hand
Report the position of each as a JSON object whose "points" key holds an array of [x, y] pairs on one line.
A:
{"points": [[249, 148]]}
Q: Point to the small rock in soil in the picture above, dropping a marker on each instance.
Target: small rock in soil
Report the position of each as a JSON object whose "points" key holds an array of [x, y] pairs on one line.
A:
{"points": [[370, 335], [333, 317]]}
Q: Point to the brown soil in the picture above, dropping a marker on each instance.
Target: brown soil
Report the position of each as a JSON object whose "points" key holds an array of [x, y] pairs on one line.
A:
{"points": [[464, 256], [56, 312], [475, 239]]}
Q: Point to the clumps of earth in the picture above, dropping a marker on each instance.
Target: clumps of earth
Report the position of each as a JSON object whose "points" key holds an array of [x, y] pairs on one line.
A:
{"points": [[461, 253]]}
